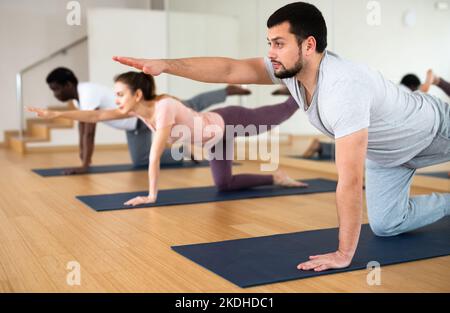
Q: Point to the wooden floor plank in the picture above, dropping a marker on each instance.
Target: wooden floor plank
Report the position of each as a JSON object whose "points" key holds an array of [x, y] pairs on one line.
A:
{"points": [[43, 227]]}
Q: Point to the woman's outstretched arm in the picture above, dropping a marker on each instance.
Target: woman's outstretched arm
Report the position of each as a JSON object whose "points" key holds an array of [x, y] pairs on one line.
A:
{"points": [[89, 116]]}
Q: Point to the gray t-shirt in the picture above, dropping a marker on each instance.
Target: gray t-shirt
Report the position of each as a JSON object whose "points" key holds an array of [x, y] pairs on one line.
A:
{"points": [[350, 97]]}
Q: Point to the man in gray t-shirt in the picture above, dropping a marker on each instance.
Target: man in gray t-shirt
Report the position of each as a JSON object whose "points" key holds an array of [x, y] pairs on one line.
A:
{"points": [[349, 97], [376, 124]]}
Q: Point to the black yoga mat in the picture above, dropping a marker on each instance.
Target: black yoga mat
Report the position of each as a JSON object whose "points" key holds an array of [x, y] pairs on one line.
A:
{"points": [[436, 174], [202, 194], [315, 158], [271, 259], [101, 169]]}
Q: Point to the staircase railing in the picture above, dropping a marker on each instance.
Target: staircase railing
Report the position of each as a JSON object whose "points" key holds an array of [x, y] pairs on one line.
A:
{"points": [[19, 75]]}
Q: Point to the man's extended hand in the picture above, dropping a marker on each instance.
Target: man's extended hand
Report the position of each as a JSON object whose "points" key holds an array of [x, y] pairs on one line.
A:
{"points": [[324, 262], [148, 66]]}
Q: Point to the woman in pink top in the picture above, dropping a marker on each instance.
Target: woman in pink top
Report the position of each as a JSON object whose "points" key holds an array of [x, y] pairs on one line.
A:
{"points": [[136, 96]]}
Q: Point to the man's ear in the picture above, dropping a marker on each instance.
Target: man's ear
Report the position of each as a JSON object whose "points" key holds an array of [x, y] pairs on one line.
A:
{"points": [[311, 45]]}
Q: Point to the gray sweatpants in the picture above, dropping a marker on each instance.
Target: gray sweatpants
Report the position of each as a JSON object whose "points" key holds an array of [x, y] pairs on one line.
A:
{"points": [[390, 208]]}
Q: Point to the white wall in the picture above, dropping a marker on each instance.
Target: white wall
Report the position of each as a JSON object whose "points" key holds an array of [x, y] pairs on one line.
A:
{"points": [[194, 34], [140, 33], [145, 34], [393, 48], [251, 16], [30, 30], [245, 13]]}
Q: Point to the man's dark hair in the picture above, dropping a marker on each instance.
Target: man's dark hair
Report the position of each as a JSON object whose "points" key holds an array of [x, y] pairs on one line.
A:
{"points": [[62, 76], [305, 20], [411, 81]]}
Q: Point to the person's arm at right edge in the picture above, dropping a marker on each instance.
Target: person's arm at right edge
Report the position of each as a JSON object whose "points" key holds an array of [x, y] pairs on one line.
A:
{"points": [[205, 69]]}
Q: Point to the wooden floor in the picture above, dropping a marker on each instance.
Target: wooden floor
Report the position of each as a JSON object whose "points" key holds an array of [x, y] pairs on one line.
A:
{"points": [[43, 227]]}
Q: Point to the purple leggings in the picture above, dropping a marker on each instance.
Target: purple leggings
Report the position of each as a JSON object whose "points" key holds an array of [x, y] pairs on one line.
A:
{"points": [[236, 115], [445, 86]]}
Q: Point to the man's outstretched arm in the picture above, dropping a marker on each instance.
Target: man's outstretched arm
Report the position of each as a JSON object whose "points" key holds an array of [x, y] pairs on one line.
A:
{"points": [[205, 69], [350, 157]]}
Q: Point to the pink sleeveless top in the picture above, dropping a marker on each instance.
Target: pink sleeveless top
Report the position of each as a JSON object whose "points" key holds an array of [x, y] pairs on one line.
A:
{"points": [[187, 124]]}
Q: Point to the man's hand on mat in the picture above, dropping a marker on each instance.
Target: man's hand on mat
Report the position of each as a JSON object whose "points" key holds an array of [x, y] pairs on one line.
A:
{"points": [[76, 170], [43, 113], [148, 66], [324, 262], [141, 200]]}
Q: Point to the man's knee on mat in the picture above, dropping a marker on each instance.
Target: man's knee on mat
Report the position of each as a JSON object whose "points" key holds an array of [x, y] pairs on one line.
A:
{"points": [[385, 222]]}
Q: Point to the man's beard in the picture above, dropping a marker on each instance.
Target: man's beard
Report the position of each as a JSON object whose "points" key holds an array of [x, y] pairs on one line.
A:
{"points": [[288, 73]]}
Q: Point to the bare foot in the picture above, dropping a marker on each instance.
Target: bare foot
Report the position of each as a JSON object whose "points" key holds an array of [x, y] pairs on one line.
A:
{"points": [[282, 179], [233, 90], [313, 148], [428, 81]]}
